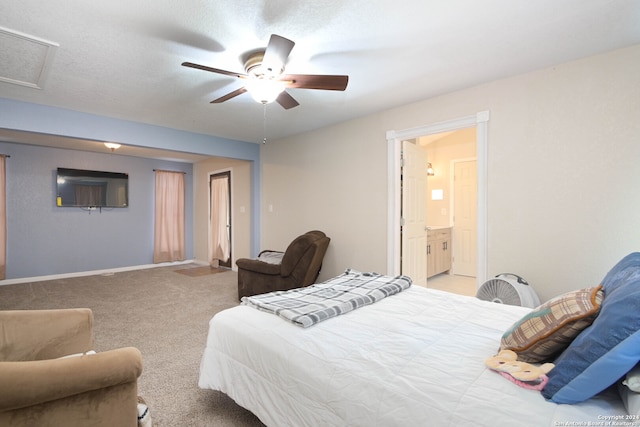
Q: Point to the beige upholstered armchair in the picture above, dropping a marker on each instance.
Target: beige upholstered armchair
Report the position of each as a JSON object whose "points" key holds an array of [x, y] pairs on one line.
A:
{"points": [[39, 388], [296, 267]]}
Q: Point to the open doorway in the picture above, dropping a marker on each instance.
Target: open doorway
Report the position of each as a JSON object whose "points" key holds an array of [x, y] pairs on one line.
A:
{"points": [[452, 199], [439, 217], [479, 124], [220, 219], [242, 209], [452, 210]]}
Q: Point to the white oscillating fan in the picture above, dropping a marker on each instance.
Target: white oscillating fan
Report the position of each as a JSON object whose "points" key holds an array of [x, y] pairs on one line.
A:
{"points": [[505, 290]]}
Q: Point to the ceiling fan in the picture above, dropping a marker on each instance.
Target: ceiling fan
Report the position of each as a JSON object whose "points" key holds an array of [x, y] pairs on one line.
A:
{"points": [[265, 79]]}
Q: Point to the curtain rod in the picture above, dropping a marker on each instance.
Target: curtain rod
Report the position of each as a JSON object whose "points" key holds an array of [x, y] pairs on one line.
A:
{"points": [[164, 170], [5, 155]]}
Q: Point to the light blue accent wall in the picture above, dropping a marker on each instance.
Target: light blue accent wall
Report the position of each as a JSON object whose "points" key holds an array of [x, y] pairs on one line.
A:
{"points": [[43, 239]]}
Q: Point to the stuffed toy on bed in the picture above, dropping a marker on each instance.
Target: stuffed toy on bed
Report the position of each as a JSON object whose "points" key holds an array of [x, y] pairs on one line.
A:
{"points": [[521, 373]]}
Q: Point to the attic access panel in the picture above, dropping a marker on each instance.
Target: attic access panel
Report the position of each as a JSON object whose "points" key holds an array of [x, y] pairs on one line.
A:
{"points": [[25, 60]]}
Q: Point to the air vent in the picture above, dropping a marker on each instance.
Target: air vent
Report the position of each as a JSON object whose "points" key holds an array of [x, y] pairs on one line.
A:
{"points": [[24, 60]]}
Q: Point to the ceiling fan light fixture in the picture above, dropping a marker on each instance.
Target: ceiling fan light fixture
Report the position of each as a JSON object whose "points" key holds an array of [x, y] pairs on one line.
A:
{"points": [[265, 91], [264, 78]]}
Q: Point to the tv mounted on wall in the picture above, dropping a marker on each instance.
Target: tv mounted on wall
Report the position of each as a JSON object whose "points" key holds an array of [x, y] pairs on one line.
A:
{"points": [[91, 189]]}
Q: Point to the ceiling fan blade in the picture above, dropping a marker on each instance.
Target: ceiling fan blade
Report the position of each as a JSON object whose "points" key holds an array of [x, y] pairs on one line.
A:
{"points": [[310, 81], [276, 54], [229, 95], [287, 101], [214, 70]]}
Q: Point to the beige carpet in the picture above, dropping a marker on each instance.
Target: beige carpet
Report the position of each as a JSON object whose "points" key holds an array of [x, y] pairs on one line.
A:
{"points": [[164, 314], [196, 271]]}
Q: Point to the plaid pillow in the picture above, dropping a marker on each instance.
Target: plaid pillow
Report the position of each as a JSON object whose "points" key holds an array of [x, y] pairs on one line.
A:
{"points": [[549, 329]]}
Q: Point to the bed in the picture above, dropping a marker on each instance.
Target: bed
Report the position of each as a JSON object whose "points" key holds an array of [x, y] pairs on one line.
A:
{"points": [[414, 358]]}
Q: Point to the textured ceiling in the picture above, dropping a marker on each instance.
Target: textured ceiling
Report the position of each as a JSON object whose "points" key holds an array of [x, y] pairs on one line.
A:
{"points": [[122, 58]]}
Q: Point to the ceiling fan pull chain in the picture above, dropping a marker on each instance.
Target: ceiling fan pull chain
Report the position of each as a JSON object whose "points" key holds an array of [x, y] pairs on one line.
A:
{"points": [[264, 124]]}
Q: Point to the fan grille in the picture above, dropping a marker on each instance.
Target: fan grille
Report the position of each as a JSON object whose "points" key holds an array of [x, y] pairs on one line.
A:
{"points": [[499, 291]]}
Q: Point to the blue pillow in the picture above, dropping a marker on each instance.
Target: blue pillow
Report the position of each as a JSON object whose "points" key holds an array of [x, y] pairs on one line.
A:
{"points": [[604, 352]]}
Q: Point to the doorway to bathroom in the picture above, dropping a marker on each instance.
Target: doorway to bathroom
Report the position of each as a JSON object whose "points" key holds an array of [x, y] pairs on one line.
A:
{"points": [[478, 125]]}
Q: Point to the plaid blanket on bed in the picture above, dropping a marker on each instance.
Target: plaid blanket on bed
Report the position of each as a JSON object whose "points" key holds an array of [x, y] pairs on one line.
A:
{"points": [[307, 306]]}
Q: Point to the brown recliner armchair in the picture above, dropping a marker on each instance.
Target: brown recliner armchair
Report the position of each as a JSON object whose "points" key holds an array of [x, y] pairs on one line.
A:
{"points": [[296, 267], [39, 388]]}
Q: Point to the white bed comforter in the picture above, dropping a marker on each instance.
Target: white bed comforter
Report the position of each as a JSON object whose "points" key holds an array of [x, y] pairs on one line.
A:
{"points": [[413, 359]]}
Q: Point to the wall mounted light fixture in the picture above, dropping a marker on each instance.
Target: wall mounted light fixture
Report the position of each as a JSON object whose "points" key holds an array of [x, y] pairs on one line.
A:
{"points": [[429, 169]]}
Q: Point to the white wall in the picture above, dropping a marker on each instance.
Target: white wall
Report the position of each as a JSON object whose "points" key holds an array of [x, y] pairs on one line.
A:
{"points": [[563, 147], [332, 180]]}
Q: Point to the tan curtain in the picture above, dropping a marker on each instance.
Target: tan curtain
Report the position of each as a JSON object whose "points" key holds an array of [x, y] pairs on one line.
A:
{"points": [[3, 218], [169, 217], [219, 239]]}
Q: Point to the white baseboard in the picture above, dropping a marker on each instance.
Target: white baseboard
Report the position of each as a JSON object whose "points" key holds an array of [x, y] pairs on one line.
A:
{"points": [[105, 272]]}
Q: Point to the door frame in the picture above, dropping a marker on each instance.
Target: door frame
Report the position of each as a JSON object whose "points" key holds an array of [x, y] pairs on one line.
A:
{"points": [[394, 144], [228, 173]]}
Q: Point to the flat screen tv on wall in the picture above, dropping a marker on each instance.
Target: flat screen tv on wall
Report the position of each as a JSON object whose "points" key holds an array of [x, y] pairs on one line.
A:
{"points": [[91, 189]]}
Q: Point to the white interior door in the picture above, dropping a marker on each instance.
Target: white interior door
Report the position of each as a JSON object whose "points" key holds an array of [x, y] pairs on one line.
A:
{"points": [[414, 213], [465, 231]]}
